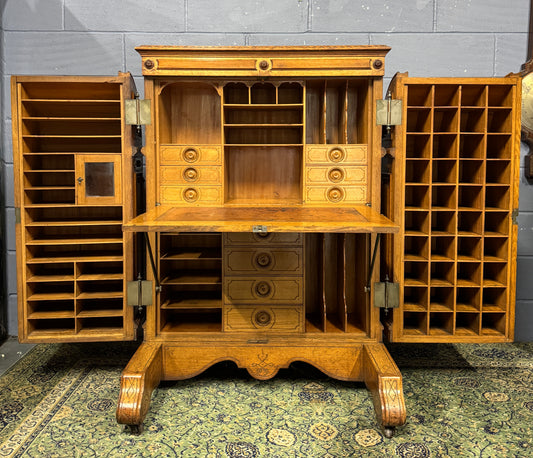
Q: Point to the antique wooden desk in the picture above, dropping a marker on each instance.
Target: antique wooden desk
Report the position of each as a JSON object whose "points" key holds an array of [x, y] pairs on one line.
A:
{"points": [[266, 206]]}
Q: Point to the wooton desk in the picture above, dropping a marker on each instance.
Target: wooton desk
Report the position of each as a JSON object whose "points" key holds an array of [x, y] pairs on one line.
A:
{"points": [[264, 189]]}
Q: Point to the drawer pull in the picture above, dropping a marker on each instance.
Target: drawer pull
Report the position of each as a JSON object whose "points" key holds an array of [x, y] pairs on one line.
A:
{"points": [[263, 289], [263, 260], [190, 174], [335, 194], [336, 155], [262, 318], [190, 155], [190, 195], [336, 175]]}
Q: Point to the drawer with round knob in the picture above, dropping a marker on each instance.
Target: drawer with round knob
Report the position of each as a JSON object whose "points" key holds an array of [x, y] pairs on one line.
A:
{"points": [[336, 154], [190, 174], [190, 155], [191, 195], [259, 238], [251, 261], [336, 194], [263, 318], [262, 289], [347, 175]]}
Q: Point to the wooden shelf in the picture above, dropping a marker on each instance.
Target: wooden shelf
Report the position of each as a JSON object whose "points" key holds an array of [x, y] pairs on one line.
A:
{"points": [[51, 315], [103, 313], [50, 278], [202, 278], [198, 303], [190, 254], [73, 241], [101, 295]]}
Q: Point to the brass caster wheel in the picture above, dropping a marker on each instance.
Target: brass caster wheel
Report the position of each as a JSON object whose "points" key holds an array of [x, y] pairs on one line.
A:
{"points": [[135, 430], [389, 431]]}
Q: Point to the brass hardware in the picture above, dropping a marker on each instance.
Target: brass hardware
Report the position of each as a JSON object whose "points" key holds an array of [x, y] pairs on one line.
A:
{"points": [[514, 216], [259, 229], [190, 155], [80, 180], [262, 289], [138, 112], [388, 111], [190, 174], [263, 65], [378, 64], [335, 194], [190, 195], [387, 295], [336, 155], [262, 318], [139, 293], [17, 215], [336, 175]]}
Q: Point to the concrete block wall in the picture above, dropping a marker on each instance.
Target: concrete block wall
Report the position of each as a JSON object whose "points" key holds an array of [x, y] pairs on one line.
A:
{"points": [[428, 38]]}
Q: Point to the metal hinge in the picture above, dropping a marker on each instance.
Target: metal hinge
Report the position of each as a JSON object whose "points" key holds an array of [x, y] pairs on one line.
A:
{"points": [[139, 293], [386, 295], [138, 112], [388, 111], [17, 215], [514, 216], [259, 229]]}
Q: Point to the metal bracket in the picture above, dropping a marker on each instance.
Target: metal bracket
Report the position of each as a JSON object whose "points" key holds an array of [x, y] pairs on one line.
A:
{"points": [[386, 295], [372, 262], [259, 229], [139, 293], [138, 112], [514, 216], [388, 112], [17, 215], [152, 263]]}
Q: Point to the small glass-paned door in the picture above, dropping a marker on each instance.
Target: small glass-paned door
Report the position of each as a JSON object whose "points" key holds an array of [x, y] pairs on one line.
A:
{"points": [[98, 179]]}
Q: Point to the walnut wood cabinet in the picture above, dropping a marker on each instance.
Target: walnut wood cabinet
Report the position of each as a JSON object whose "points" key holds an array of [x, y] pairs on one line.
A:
{"points": [[265, 209]]}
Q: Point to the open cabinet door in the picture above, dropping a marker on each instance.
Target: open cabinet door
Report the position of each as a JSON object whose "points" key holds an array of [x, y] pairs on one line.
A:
{"points": [[72, 256], [456, 190]]}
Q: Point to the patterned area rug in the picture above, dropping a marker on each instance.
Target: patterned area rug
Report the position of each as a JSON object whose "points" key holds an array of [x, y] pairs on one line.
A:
{"points": [[462, 400]]}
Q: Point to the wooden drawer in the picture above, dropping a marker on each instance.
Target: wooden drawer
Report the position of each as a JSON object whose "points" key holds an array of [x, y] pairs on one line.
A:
{"points": [[196, 195], [191, 174], [320, 175], [190, 154], [336, 194], [260, 290], [270, 238], [243, 261], [336, 154], [260, 318]]}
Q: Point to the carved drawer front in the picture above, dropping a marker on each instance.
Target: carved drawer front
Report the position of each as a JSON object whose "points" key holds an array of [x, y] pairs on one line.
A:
{"points": [[346, 175], [263, 318], [336, 194], [273, 238], [203, 195], [243, 261], [336, 154], [190, 154], [191, 174], [258, 290]]}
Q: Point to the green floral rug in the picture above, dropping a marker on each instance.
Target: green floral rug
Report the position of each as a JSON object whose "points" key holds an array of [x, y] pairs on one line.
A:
{"points": [[462, 400]]}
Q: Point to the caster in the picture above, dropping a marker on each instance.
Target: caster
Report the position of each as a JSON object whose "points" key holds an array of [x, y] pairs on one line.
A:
{"points": [[135, 430], [389, 431]]}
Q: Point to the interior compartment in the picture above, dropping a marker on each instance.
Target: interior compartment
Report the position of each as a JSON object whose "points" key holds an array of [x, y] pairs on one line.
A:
{"points": [[442, 248], [468, 300], [203, 121], [473, 95], [472, 146], [417, 196], [493, 324], [236, 93], [85, 108], [419, 95], [441, 299], [273, 135], [99, 270], [99, 324], [442, 274], [469, 248], [467, 323], [440, 324], [471, 171], [471, 197], [498, 172], [191, 320], [497, 223], [415, 273], [50, 272], [79, 216], [495, 274], [443, 223], [289, 93], [415, 248], [415, 298], [473, 120], [445, 120], [500, 95], [443, 197], [48, 162], [416, 171], [445, 146], [499, 146], [495, 299], [416, 221], [497, 197], [62, 144], [418, 146], [496, 248], [263, 93], [468, 274], [444, 171], [415, 323], [446, 95], [253, 115], [86, 127], [418, 119], [500, 120], [56, 308], [469, 223], [49, 196], [103, 307]]}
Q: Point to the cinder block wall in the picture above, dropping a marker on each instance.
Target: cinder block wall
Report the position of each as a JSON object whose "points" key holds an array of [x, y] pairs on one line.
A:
{"points": [[428, 38]]}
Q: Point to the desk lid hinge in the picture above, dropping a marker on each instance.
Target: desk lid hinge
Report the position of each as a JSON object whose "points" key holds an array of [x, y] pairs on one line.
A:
{"points": [[139, 293], [514, 216], [386, 295], [138, 112], [388, 112], [259, 229]]}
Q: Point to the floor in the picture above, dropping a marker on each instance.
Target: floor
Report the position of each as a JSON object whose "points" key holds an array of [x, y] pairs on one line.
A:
{"points": [[11, 351]]}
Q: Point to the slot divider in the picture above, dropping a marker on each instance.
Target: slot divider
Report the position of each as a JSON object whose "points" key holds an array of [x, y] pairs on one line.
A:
{"points": [[323, 283], [342, 306], [323, 119]]}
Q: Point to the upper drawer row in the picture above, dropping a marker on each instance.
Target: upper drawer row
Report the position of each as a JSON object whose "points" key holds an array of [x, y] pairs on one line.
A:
{"points": [[212, 155]]}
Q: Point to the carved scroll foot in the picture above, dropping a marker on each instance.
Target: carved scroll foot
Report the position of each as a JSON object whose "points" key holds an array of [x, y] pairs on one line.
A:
{"points": [[384, 380], [140, 377]]}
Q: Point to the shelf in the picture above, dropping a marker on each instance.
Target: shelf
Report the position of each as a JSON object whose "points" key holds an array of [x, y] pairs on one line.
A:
{"points": [[96, 257], [192, 304], [80, 223], [51, 315], [51, 297], [86, 241], [103, 313], [50, 278], [193, 255], [252, 125], [264, 106], [202, 278], [101, 295], [94, 277]]}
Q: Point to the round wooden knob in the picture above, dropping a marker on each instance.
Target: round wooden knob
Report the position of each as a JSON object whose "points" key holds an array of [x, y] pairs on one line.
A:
{"points": [[335, 194], [263, 259], [190, 155], [190, 195], [149, 64], [336, 175], [336, 155], [262, 318], [262, 289], [263, 65], [190, 174]]}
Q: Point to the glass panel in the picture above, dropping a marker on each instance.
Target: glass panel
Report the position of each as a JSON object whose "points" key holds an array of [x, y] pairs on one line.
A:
{"points": [[99, 179]]}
